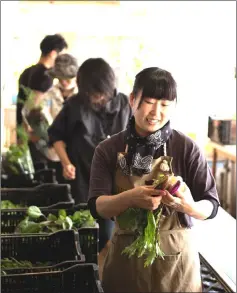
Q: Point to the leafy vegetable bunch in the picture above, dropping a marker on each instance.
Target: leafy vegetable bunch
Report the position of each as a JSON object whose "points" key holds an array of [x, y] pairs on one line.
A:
{"points": [[146, 224]]}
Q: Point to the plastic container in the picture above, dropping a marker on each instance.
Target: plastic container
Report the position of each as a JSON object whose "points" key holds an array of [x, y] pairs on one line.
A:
{"points": [[88, 237], [55, 248], [39, 269], [44, 196], [81, 278]]}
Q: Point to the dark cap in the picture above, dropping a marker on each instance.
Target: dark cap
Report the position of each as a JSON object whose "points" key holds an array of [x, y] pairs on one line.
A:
{"points": [[65, 67]]}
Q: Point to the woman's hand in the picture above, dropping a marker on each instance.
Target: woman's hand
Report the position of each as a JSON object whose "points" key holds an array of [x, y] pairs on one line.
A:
{"points": [[145, 197], [69, 172], [182, 201]]}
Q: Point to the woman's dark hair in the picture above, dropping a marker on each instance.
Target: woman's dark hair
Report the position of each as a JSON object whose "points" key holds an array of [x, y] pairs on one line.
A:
{"points": [[95, 75], [52, 42], [156, 83]]}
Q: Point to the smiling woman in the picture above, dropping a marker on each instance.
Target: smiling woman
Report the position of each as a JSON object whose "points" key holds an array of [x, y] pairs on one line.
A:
{"points": [[122, 166], [157, 114], [152, 106]]}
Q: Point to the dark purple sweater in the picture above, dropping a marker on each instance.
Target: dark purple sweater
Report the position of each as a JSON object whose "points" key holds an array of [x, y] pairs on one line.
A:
{"points": [[188, 162]]}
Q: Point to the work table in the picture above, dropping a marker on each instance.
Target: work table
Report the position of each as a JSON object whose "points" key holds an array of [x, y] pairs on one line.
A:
{"points": [[217, 245]]}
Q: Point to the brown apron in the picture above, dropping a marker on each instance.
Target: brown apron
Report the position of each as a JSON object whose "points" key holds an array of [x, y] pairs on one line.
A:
{"points": [[178, 272]]}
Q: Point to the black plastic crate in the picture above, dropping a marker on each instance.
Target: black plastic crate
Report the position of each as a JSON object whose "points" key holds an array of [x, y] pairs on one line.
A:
{"points": [[10, 219], [89, 242], [18, 181], [48, 195], [38, 269], [29, 180], [81, 278], [88, 237], [56, 247], [45, 176]]}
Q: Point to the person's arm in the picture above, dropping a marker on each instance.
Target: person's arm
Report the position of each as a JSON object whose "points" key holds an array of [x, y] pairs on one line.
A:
{"points": [[57, 138], [145, 197], [183, 202], [69, 170], [200, 210], [60, 148], [199, 198], [107, 205]]}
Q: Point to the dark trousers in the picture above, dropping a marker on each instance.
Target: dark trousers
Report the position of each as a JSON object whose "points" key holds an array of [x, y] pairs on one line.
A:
{"points": [[105, 232]]}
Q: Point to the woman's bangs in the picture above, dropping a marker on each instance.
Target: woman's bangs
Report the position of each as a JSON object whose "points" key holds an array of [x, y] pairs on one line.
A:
{"points": [[159, 91]]}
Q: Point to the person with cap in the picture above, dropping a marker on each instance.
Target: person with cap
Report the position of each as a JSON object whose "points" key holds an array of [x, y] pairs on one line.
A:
{"points": [[65, 70], [39, 82], [96, 113]]}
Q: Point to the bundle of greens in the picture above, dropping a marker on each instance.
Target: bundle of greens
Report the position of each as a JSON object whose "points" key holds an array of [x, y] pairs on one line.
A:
{"points": [[146, 224], [36, 222], [18, 159]]}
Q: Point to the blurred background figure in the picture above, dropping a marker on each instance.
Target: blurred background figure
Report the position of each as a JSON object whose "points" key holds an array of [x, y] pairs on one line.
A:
{"points": [[65, 70], [96, 113], [36, 79]]}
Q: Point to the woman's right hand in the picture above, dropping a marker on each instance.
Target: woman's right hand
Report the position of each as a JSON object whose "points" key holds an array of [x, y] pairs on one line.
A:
{"points": [[145, 197], [69, 171]]}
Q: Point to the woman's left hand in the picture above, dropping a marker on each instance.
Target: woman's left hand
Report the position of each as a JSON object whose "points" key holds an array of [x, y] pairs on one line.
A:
{"points": [[182, 201]]}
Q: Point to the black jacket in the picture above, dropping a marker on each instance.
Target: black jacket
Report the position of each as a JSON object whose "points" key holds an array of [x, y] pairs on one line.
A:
{"points": [[82, 129]]}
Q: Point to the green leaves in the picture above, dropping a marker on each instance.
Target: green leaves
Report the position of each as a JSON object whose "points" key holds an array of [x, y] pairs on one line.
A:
{"points": [[33, 222], [7, 204], [147, 243], [83, 219], [34, 212], [128, 219], [28, 226], [51, 217], [62, 214], [12, 263]]}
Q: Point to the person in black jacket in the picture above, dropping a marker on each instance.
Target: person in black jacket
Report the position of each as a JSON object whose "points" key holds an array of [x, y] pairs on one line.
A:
{"points": [[91, 116]]}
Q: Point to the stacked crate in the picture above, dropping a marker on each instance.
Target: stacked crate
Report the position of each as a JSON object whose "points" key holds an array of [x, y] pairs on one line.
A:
{"points": [[64, 261]]}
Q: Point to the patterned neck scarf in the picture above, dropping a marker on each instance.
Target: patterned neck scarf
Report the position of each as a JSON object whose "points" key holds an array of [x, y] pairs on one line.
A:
{"points": [[141, 150]]}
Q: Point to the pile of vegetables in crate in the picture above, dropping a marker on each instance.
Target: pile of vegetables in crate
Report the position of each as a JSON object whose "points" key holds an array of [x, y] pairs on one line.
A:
{"points": [[10, 263], [36, 222], [45, 222], [146, 224]]}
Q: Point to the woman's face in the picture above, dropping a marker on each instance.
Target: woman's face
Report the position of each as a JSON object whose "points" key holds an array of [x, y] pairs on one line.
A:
{"points": [[152, 114]]}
